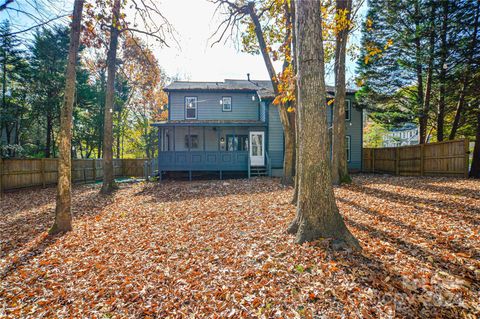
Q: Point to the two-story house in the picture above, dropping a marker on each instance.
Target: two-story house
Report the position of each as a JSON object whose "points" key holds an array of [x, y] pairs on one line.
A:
{"points": [[233, 126], [407, 134]]}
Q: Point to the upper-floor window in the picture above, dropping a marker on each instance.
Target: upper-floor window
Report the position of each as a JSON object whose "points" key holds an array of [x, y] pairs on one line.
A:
{"points": [[348, 110], [227, 104], [190, 107]]}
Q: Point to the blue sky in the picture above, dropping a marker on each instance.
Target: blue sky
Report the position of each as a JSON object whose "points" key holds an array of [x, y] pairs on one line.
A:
{"points": [[194, 58]]}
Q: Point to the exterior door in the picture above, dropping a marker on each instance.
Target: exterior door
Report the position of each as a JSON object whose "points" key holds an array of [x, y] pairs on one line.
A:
{"points": [[257, 148]]}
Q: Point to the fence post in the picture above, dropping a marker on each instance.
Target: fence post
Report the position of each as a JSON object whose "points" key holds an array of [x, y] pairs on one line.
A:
{"points": [[422, 159], [397, 161], [1, 177], [84, 173], [94, 161], [373, 160], [42, 172], [467, 156]]}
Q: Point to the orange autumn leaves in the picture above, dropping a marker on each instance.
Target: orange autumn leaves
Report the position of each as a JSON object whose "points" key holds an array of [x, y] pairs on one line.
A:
{"points": [[219, 248]]}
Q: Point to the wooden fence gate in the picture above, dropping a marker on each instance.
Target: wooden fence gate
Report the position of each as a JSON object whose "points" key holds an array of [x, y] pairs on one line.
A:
{"points": [[20, 173], [449, 158]]}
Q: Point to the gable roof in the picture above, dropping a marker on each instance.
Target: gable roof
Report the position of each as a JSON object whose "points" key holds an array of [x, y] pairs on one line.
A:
{"points": [[263, 88]]}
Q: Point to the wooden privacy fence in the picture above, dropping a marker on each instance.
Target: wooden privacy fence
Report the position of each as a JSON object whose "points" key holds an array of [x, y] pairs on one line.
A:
{"points": [[19, 173], [449, 158]]}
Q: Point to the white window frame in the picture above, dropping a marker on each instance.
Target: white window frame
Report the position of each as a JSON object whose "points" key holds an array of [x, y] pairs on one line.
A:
{"points": [[348, 110], [189, 100], [348, 146], [223, 103]]}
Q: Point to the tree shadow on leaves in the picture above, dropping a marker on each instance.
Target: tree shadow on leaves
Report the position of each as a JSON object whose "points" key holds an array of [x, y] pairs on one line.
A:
{"points": [[26, 214], [427, 184], [417, 252], [412, 230], [33, 248], [447, 208], [393, 295], [174, 191]]}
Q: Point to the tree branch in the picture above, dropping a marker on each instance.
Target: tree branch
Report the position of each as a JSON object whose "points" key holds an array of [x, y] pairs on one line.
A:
{"points": [[38, 25], [5, 4]]}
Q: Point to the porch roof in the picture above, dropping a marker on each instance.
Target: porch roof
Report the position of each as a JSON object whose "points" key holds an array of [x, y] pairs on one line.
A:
{"points": [[210, 123]]}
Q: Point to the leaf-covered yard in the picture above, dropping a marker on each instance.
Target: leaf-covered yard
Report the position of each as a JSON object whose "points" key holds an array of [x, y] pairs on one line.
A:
{"points": [[219, 249]]}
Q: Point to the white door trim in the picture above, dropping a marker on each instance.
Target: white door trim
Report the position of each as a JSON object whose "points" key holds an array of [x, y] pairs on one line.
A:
{"points": [[256, 140]]}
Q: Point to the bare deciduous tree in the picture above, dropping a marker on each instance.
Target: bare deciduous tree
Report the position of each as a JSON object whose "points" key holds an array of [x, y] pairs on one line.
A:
{"points": [[149, 21], [63, 215], [235, 12]]}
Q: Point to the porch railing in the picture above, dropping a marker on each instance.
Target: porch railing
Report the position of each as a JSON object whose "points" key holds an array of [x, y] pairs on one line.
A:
{"points": [[249, 167], [203, 161], [269, 164]]}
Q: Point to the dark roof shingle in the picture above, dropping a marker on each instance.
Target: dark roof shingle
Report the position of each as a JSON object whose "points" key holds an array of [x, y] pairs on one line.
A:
{"points": [[264, 88]]}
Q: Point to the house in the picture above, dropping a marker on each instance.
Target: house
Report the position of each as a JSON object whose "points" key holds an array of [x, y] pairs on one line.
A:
{"points": [[407, 134], [232, 126]]}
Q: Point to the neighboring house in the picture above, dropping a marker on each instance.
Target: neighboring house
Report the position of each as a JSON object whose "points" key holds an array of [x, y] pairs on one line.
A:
{"points": [[232, 126], [408, 134]]}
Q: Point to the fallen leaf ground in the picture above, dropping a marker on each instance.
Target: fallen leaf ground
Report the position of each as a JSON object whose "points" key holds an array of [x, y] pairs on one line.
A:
{"points": [[219, 249]]}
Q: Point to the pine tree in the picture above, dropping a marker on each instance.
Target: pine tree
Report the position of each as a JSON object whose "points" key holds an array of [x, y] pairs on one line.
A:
{"points": [[48, 60], [416, 62], [12, 71]]}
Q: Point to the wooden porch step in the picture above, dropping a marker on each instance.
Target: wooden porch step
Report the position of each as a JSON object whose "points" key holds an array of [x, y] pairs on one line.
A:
{"points": [[257, 171]]}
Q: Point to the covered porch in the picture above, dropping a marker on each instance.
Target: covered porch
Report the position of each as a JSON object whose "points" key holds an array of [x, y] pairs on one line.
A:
{"points": [[211, 146]]}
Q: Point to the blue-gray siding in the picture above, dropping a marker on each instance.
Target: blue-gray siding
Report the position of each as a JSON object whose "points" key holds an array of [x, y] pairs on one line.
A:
{"points": [[209, 107], [243, 108], [212, 137], [275, 136], [353, 129], [203, 161]]}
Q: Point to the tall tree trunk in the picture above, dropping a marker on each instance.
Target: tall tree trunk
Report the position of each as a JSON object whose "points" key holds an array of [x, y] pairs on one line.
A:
{"points": [[4, 81], [428, 85], [317, 213], [339, 156], [48, 142], [4, 123], [419, 71], [108, 177], [288, 128], [443, 72], [63, 214], [119, 119], [466, 77], [475, 169], [294, 65]]}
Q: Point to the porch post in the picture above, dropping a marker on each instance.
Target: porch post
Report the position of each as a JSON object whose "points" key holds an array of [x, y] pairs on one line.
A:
{"points": [[204, 138], [162, 132], [189, 156], [218, 138], [188, 138], [233, 139], [160, 142], [159, 150], [174, 141]]}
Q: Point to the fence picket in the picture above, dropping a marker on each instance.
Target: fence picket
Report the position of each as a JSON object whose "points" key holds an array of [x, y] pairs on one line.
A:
{"points": [[447, 158], [21, 173]]}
